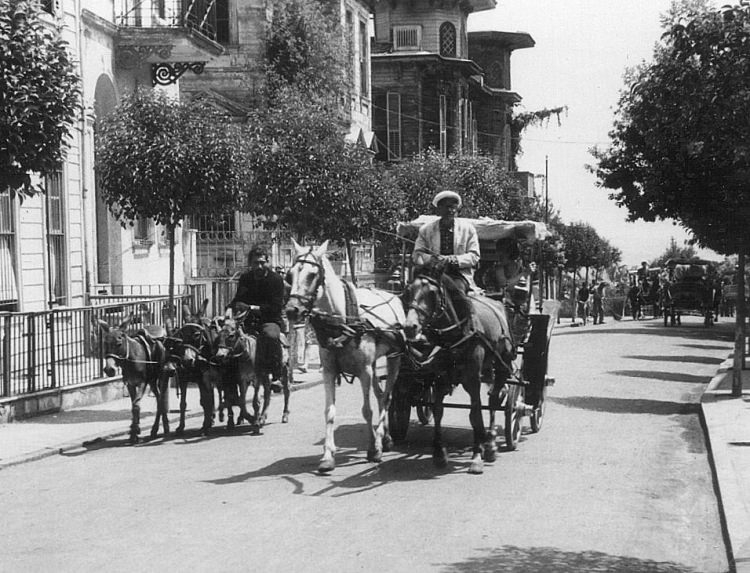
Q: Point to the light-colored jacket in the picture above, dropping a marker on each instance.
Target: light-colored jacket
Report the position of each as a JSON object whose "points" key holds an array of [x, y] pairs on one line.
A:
{"points": [[465, 246]]}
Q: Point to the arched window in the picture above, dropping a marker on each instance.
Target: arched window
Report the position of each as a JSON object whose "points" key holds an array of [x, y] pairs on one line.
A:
{"points": [[448, 40]]}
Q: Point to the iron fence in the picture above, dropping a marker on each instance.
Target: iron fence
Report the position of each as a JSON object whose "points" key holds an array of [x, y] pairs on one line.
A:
{"points": [[61, 347], [196, 293]]}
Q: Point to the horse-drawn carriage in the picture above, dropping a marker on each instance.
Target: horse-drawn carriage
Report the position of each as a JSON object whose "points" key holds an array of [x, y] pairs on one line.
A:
{"points": [[517, 389], [689, 290]]}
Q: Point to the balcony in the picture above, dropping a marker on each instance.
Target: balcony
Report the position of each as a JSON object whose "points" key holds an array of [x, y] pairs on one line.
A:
{"points": [[171, 35]]}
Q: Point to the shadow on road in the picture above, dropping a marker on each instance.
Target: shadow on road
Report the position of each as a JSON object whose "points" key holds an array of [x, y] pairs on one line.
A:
{"points": [[82, 416], [707, 346], [688, 358], [509, 558], [662, 376], [410, 461], [627, 406], [691, 331]]}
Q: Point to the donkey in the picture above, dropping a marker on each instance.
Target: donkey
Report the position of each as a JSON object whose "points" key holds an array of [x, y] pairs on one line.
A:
{"points": [[189, 354], [141, 359]]}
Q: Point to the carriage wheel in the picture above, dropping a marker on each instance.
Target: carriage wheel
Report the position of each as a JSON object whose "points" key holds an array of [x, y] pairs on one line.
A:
{"points": [[424, 412], [399, 414], [513, 416], [538, 414]]}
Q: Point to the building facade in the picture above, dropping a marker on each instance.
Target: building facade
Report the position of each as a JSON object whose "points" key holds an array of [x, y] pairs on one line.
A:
{"points": [[437, 86]]}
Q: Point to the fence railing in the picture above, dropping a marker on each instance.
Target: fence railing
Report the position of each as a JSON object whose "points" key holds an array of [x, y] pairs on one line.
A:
{"points": [[61, 347], [195, 293]]}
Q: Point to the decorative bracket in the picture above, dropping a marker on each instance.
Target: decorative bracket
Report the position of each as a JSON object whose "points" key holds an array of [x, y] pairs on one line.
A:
{"points": [[165, 73]]}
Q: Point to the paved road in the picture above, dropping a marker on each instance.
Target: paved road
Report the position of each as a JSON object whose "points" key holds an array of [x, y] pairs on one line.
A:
{"points": [[618, 480]]}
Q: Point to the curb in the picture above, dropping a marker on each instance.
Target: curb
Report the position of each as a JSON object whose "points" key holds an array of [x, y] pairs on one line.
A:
{"points": [[98, 437], [735, 521]]}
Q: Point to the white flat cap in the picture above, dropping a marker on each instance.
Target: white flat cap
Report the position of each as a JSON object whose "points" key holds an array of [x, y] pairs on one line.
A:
{"points": [[447, 195]]}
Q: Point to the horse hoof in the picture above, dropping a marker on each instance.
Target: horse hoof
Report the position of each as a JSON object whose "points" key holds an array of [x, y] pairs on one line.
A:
{"points": [[262, 420], [490, 454], [387, 443], [440, 458], [477, 466], [285, 418], [133, 440], [326, 466], [374, 456], [179, 431]]}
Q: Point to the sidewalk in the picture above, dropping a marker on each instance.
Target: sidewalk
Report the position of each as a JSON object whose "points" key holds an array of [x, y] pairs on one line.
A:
{"points": [[727, 421], [42, 436]]}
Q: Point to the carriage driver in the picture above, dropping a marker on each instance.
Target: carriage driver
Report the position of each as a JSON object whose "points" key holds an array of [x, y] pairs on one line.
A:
{"points": [[261, 292], [449, 242], [450, 245]]}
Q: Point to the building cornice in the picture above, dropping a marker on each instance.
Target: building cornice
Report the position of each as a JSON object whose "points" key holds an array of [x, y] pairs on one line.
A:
{"points": [[98, 23]]}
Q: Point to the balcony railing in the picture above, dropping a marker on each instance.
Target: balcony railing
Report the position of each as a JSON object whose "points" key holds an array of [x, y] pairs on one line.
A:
{"points": [[197, 15]]}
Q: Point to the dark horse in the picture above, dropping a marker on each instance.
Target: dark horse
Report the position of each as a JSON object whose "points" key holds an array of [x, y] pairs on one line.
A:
{"points": [[475, 339], [236, 355], [141, 358], [189, 353]]}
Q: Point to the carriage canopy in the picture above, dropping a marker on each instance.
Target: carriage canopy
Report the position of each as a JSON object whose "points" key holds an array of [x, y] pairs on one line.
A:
{"points": [[487, 229]]}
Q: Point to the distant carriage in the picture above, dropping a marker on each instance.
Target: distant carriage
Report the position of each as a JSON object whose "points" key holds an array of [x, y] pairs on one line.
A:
{"points": [[689, 290]]}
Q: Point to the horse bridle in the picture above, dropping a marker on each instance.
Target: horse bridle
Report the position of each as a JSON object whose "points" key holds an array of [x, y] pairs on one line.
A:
{"points": [[308, 300], [445, 309], [203, 337]]}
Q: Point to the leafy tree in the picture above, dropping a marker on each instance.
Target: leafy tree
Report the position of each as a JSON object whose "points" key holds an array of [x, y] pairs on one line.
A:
{"points": [[680, 146], [39, 97], [305, 50], [164, 159], [584, 248], [307, 178], [675, 251]]}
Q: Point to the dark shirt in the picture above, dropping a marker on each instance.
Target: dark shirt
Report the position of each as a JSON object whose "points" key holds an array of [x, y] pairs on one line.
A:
{"points": [[267, 292], [446, 239], [583, 294]]}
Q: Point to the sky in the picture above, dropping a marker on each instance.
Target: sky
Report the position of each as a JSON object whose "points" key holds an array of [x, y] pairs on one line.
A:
{"points": [[582, 49]]}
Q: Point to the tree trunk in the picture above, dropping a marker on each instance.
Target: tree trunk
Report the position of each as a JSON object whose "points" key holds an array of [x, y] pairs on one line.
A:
{"points": [[170, 314], [739, 329], [349, 255]]}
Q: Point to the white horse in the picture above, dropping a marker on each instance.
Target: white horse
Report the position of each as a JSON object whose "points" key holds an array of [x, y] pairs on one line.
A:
{"points": [[354, 327]]}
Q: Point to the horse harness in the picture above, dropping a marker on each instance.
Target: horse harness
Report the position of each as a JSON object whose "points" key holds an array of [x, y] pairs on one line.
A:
{"points": [[448, 311], [146, 341], [334, 331]]}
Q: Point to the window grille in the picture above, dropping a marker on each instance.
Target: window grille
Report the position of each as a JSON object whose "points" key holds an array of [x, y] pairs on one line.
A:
{"points": [[447, 40], [215, 223], [8, 284], [58, 279], [394, 126], [407, 37]]}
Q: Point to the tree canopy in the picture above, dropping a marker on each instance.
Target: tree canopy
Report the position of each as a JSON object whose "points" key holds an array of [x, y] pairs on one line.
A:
{"points": [[39, 97], [584, 247], [680, 146], [164, 159]]}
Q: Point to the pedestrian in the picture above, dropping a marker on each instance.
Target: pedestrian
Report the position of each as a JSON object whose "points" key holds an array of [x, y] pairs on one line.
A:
{"points": [[583, 301], [598, 299]]}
